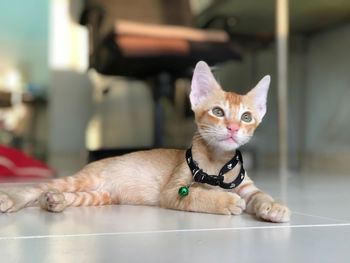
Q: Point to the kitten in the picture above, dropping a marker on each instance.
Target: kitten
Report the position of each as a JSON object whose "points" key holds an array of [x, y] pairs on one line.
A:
{"points": [[225, 121]]}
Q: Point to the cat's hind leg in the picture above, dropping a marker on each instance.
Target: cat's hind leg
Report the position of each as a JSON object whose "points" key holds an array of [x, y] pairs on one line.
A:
{"points": [[53, 200], [85, 188], [80, 182], [15, 198]]}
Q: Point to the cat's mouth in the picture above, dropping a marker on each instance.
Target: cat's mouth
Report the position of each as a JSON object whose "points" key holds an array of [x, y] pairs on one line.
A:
{"points": [[229, 139], [228, 143]]}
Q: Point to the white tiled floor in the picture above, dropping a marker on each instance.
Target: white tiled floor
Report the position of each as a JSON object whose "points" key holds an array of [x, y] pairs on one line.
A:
{"points": [[319, 230]]}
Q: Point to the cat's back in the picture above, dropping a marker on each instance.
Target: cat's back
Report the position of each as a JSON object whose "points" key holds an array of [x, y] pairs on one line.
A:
{"points": [[156, 157], [153, 163], [159, 159], [136, 178]]}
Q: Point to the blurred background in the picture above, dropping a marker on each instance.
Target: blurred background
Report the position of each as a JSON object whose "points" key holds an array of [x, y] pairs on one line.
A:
{"points": [[81, 79]]}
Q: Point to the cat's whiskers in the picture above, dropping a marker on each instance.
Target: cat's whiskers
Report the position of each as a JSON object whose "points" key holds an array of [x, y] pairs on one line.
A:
{"points": [[208, 137], [212, 132], [199, 138]]}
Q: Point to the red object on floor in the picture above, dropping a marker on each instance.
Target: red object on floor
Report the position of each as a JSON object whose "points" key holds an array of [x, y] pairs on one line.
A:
{"points": [[14, 163]]}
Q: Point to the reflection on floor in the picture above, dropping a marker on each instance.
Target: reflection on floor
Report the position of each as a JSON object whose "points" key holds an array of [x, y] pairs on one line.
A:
{"points": [[319, 230]]}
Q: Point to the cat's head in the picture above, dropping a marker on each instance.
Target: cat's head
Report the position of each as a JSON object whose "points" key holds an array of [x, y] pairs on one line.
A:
{"points": [[226, 120]]}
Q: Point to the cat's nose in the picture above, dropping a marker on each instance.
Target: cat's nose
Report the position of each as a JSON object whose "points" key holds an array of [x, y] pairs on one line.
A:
{"points": [[233, 127]]}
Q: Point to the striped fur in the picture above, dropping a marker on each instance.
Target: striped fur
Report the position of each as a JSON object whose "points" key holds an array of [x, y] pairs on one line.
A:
{"points": [[154, 177]]}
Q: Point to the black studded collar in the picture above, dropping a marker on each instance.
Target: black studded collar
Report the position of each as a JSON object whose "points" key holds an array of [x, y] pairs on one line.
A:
{"points": [[200, 176]]}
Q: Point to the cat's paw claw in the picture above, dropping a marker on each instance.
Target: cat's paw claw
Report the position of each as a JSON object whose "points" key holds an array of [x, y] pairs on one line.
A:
{"points": [[6, 203], [273, 212], [52, 201], [236, 205]]}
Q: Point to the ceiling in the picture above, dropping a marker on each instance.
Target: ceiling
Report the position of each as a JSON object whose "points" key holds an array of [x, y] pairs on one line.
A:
{"points": [[257, 18]]}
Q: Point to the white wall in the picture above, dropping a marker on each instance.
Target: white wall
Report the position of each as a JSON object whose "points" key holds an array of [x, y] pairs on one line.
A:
{"points": [[328, 93], [70, 107], [327, 126], [70, 110]]}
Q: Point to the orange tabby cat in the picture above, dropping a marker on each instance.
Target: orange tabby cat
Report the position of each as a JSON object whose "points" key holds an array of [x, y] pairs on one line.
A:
{"points": [[225, 121]]}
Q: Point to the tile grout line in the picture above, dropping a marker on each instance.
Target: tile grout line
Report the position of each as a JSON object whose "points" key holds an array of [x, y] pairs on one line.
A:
{"points": [[322, 217], [173, 231]]}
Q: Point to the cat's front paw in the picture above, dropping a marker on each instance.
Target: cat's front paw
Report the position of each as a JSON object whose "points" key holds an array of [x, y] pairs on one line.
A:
{"points": [[52, 200], [6, 203], [273, 212], [232, 204]]}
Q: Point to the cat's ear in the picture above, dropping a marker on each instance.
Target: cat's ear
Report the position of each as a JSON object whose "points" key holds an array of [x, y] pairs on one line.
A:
{"points": [[203, 84], [259, 96]]}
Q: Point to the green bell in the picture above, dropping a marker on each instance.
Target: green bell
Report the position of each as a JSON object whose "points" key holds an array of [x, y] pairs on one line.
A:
{"points": [[183, 191]]}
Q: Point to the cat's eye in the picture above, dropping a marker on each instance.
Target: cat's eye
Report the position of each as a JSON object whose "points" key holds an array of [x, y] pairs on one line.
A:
{"points": [[217, 111], [247, 117]]}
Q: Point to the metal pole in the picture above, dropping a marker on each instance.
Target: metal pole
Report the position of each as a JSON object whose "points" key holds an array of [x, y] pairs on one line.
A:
{"points": [[282, 32]]}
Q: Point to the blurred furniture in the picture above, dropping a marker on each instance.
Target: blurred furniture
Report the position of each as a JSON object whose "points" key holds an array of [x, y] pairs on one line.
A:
{"points": [[159, 54]]}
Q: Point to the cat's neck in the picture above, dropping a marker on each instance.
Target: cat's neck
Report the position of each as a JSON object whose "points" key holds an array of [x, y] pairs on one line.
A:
{"points": [[202, 150]]}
